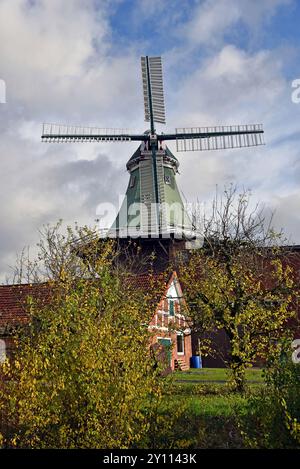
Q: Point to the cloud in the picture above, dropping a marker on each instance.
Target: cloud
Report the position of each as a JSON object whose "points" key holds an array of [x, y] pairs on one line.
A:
{"points": [[41, 186], [287, 214], [64, 62], [212, 20], [55, 59], [233, 86], [56, 64]]}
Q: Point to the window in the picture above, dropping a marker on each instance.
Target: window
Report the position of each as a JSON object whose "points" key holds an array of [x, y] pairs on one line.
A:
{"points": [[167, 179], [180, 344], [2, 351], [171, 307], [132, 181], [146, 198]]}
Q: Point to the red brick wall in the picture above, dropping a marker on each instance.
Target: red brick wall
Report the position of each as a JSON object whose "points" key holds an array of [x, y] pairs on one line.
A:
{"points": [[173, 336], [13, 298], [162, 321]]}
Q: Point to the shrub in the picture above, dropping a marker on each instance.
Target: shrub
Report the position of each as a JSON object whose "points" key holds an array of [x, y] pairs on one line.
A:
{"points": [[270, 418], [82, 375]]}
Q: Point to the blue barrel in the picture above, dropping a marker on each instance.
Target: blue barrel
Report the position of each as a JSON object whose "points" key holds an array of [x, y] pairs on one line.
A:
{"points": [[196, 361]]}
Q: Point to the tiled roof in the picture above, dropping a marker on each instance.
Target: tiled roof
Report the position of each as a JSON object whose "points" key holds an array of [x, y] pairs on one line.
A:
{"points": [[13, 302], [146, 281], [155, 287], [13, 298]]}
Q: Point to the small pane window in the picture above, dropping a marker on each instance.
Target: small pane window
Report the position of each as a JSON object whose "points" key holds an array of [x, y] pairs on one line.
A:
{"points": [[146, 198], [171, 307], [132, 181], [167, 179]]}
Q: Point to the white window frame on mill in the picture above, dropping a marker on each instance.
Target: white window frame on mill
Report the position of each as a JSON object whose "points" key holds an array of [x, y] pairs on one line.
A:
{"points": [[181, 335], [167, 178], [2, 351]]}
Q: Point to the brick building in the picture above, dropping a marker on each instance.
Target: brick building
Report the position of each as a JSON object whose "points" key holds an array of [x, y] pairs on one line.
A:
{"points": [[169, 327]]}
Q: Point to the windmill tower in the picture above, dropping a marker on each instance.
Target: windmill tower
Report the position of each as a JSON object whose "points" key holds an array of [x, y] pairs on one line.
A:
{"points": [[153, 213]]}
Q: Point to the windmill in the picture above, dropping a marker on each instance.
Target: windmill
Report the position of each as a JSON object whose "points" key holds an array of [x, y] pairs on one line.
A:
{"points": [[153, 206]]}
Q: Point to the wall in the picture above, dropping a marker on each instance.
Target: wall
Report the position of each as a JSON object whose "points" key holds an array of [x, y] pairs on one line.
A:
{"points": [[164, 325]]}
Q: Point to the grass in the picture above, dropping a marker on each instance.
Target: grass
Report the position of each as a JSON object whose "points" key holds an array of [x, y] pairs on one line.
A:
{"points": [[205, 391], [214, 406], [216, 374], [208, 415]]}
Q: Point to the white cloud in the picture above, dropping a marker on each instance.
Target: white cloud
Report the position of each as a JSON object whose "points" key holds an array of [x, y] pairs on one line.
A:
{"points": [[59, 64], [54, 59], [230, 87], [213, 19], [233, 86], [49, 37]]}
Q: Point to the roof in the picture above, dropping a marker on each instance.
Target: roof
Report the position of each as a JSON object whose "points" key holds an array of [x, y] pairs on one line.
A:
{"points": [[157, 284], [13, 302], [170, 154], [13, 298], [142, 281], [137, 155]]}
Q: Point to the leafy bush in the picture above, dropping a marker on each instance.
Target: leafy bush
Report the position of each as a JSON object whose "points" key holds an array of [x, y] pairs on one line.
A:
{"points": [[82, 376], [270, 418]]}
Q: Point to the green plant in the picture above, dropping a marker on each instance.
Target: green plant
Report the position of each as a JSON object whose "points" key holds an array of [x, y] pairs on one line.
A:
{"points": [[240, 284], [82, 375], [270, 418]]}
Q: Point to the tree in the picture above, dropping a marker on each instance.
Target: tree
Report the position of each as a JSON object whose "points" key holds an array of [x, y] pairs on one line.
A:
{"points": [[82, 375], [240, 282]]}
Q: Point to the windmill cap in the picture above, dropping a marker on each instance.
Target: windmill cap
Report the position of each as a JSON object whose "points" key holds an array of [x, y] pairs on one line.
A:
{"points": [[140, 154]]}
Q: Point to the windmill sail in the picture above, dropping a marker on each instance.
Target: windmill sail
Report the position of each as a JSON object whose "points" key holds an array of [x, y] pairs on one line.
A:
{"points": [[153, 205], [73, 133], [153, 89], [218, 138]]}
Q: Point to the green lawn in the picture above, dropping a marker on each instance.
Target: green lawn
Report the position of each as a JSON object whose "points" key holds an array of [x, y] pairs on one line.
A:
{"points": [[206, 409], [214, 405], [215, 374], [207, 416]]}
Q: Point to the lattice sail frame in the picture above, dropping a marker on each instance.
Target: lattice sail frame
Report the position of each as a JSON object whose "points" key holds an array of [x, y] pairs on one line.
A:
{"points": [[219, 138], [60, 133], [187, 139], [152, 70]]}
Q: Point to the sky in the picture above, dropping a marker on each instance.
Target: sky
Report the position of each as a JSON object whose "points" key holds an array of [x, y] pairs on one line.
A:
{"points": [[78, 62]]}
